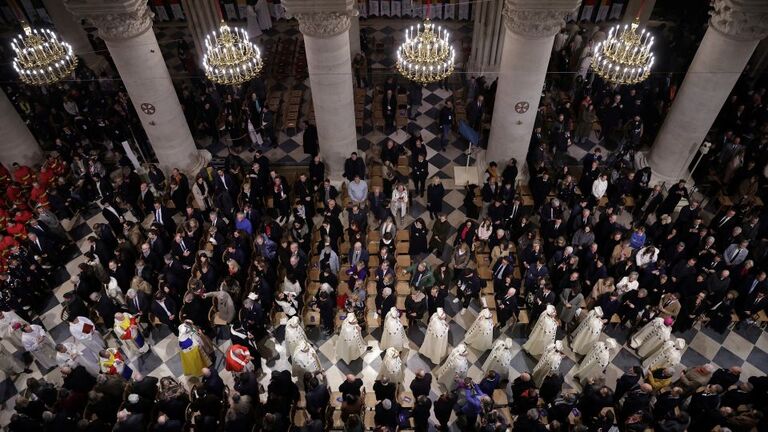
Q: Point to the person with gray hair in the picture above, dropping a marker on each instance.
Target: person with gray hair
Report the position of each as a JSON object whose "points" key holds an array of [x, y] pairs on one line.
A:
{"points": [[386, 414]]}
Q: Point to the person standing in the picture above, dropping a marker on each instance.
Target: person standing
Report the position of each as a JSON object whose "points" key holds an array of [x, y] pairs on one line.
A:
{"points": [[435, 195], [446, 123], [193, 356], [419, 174], [389, 108], [38, 343]]}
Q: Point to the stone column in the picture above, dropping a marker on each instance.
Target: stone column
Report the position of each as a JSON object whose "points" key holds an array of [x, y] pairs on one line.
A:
{"points": [[735, 29], [531, 26], [644, 7], [72, 32], [354, 35], [325, 26], [202, 18], [487, 38], [126, 27], [18, 143]]}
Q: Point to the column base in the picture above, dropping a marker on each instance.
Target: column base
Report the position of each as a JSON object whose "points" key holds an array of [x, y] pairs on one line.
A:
{"points": [[200, 162], [642, 161]]}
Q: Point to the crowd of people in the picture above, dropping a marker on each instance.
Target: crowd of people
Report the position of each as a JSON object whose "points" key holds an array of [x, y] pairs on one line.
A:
{"points": [[240, 247]]}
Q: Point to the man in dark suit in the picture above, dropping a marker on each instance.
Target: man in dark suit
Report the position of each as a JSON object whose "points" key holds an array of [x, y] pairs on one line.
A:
{"points": [[475, 111], [327, 192], [144, 386], [501, 269], [648, 205], [212, 382], [724, 222], [165, 309], [99, 248], [225, 183], [354, 166], [164, 219], [137, 302], [112, 215], [42, 247], [146, 200], [421, 384]]}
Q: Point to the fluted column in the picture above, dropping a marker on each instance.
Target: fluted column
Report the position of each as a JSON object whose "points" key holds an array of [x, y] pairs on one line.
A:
{"points": [[735, 29], [70, 30], [202, 18], [17, 143], [126, 27], [531, 26], [487, 38], [325, 26]]}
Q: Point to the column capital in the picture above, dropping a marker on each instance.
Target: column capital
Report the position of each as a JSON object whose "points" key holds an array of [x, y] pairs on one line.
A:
{"points": [[536, 19], [115, 19], [740, 19], [323, 24]]}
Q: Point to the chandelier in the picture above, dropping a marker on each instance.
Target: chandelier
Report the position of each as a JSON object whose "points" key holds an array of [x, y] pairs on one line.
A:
{"points": [[230, 58], [41, 58], [625, 57], [425, 56]]}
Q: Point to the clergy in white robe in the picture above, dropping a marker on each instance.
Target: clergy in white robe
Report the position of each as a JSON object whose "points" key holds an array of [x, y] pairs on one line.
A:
{"points": [[436, 338], [305, 359], [38, 343], [392, 366], [455, 367], [588, 332], [9, 364], [72, 355], [548, 363], [480, 334], [543, 333], [85, 333], [393, 332], [651, 337], [127, 330], [500, 357], [667, 356], [597, 359], [294, 335], [7, 332], [350, 344]]}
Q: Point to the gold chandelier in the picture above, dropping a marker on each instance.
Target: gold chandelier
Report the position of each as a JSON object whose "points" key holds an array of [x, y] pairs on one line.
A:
{"points": [[426, 55], [230, 58], [41, 58], [625, 57]]}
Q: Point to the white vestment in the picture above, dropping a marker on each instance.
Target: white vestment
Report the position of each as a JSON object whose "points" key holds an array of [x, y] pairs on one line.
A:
{"points": [[436, 339], [85, 333], [548, 363], [480, 334], [305, 359], [393, 333], [41, 346], [350, 345], [294, 335], [668, 355], [651, 337], [542, 335], [595, 362], [499, 358], [392, 366], [587, 333], [76, 356], [6, 328], [455, 368]]}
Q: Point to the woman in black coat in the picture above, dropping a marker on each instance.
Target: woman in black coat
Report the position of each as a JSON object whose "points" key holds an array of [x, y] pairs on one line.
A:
{"points": [[720, 314], [435, 195], [316, 172], [418, 240]]}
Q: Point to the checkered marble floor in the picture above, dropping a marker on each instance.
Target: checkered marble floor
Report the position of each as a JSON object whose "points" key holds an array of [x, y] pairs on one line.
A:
{"points": [[746, 347]]}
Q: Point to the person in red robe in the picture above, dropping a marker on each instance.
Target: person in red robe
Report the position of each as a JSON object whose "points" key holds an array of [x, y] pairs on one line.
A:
{"points": [[23, 174], [39, 194]]}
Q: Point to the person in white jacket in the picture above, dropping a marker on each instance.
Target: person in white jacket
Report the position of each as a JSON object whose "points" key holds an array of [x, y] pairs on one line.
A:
{"points": [[599, 187], [399, 201]]}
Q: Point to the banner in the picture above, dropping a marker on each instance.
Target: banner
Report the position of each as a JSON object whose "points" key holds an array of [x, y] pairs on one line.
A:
{"points": [[616, 9], [242, 9], [384, 6], [177, 10], [463, 10], [373, 7], [158, 6], [449, 11], [230, 11], [29, 10], [602, 12], [362, 7], [397, 8], [437, 10]]}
